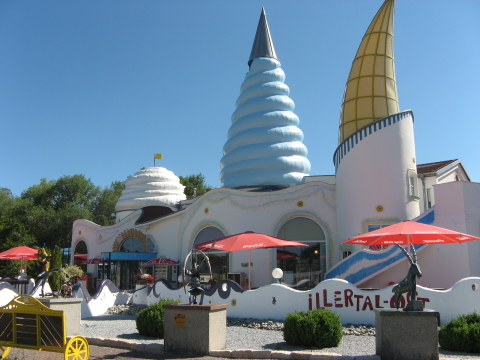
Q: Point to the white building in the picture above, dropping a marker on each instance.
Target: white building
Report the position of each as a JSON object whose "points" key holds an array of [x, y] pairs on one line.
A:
{"points": [[266, 188]]}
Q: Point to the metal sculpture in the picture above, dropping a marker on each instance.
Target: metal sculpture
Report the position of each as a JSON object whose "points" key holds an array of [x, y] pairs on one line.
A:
{"points": [[196, 288], [43, 260], [409, 284], [44, 278]]}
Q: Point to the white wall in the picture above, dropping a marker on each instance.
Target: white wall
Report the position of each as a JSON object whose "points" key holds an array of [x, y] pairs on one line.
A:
{"points": [[232, 211], [457, 208], [235, 211], [374, 173], [354, 306]]}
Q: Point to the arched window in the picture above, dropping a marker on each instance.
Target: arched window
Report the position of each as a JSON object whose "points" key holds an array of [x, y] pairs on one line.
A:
{"points": [[209, 233], [218, 259], [81, 248], [303, 267], [132, 245], [81, 254]]}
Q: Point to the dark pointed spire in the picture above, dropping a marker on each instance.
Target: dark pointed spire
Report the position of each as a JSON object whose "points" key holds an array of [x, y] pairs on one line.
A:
{"points": [[263, 43]]}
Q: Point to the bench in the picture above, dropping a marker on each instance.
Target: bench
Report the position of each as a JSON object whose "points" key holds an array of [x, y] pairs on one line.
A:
{"points": [[28, 324]]}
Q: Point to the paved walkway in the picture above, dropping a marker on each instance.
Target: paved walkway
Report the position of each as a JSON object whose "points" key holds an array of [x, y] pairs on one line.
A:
{"points": [[97, 352], [123, 351]]}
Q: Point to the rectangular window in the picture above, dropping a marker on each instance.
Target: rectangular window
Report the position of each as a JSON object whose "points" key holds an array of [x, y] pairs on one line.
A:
{"points": [[429, 198], [413, 184], [346, 253], [372, 227]]}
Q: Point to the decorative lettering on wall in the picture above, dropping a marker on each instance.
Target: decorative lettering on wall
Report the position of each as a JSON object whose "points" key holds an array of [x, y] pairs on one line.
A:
{"points": [[347, 298]]}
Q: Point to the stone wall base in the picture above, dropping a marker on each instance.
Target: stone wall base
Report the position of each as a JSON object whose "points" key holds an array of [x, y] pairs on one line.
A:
{"points": [[409, 335], [196, 329]]}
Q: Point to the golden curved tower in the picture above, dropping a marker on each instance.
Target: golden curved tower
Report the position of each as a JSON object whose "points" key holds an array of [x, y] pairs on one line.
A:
{"points": [[371, 90]]}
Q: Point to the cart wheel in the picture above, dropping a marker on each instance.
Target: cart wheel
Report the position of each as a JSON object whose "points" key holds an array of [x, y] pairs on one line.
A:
{"points": [[4, 351], [76, 349]]}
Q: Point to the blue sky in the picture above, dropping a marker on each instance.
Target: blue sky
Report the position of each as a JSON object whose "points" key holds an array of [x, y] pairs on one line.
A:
{"points": [[97, 87]]}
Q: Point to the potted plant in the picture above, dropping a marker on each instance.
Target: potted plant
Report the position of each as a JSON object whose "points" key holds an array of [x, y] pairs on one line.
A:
{"points": [[144, 278]]}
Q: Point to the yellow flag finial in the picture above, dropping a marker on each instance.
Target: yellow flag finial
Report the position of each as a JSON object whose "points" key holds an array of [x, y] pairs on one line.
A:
{"points": [[157, 157], [371, 90]]}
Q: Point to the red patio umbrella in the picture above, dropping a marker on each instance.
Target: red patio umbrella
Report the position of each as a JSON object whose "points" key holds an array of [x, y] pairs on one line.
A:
{"points": [[410, 232], [80, 258], [160, 261], [282, 255], [94, 261], [246, 241], [19, 253]]}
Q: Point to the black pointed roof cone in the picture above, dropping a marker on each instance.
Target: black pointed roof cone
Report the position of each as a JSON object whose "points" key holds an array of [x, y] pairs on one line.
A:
{"points": [[263, 43]]}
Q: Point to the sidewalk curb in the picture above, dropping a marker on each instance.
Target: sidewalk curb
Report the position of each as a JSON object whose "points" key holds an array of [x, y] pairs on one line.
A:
{"points": [[238, 354], [231, 354]]}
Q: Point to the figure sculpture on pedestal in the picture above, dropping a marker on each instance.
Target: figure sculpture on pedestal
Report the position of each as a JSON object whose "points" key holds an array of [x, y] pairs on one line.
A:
{"points": [[196, 288], [43, 260], [409, 284]]}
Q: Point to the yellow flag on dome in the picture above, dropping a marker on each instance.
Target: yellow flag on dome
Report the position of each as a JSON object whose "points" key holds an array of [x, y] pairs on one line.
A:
{"points": [[155, 157]]}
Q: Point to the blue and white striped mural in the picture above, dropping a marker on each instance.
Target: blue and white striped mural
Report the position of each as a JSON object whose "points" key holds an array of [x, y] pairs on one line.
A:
{"points": [[362, 265]]}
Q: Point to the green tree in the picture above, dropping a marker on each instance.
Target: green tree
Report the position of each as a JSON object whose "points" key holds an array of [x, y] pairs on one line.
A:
{"points": [[40, 194], [56, 205], [47, 210], [56, 279], [104, 205], [74, 190], [12, 233], [197, 182], [6, 200]]}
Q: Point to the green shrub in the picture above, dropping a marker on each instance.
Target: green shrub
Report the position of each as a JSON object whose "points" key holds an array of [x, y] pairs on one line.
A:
{"points": [[56, 279], [150, 321], [321, 328], [461, 334]]}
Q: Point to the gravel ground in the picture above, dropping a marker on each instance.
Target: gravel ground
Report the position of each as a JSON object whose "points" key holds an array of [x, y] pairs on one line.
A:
{"points": [[124, 327]]}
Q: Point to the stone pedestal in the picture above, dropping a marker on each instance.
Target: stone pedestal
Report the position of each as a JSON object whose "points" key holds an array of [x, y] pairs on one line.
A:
{"points": [[409, 335], [195, 328], [72, 307]]}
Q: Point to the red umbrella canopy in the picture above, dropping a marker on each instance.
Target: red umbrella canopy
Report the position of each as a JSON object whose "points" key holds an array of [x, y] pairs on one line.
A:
{"points": [[94, 261], [19, 253], [410, 232], [246, 241], [160, 261], [80, 258], [282, 255]]}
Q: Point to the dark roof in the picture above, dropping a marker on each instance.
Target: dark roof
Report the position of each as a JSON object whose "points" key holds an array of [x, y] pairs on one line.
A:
{"points": [[150, 213], [263, 43], [433, 167]]}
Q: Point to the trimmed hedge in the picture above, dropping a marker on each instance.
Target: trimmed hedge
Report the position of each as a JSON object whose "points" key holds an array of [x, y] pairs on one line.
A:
{"points": [[461, 334], [321, 328], [150, 321]]}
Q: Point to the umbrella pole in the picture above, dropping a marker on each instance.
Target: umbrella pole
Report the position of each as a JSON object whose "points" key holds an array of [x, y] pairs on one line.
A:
{"points": [[249, 277], [408, 243], [413, 294]]}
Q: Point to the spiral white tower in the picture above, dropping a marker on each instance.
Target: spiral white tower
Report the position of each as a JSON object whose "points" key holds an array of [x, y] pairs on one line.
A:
{"points": [[264, 146]]}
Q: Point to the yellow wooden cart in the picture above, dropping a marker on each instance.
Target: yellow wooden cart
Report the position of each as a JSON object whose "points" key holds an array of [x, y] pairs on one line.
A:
{"points": [[28, 324]]}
